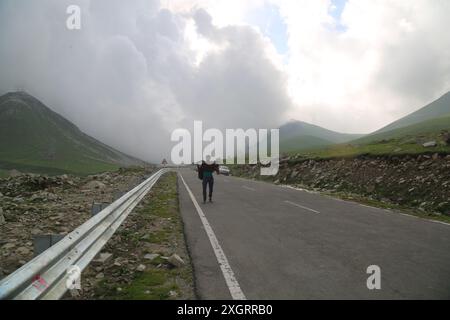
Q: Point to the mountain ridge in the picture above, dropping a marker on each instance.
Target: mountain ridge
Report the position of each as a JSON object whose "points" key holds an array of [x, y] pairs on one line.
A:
{"points": [[300, 135], [33, 135], [435, 109]]}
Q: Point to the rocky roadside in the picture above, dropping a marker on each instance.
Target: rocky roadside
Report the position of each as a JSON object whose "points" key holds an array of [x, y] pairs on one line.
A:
{"points": [[147, 257], [421, 182], [36, 205]]}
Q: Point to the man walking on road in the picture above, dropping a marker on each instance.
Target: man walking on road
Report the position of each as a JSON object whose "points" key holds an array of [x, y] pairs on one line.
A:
{"points": [[205, 172]]}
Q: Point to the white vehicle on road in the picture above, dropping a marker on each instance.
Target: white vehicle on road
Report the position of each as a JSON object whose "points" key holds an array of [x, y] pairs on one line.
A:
{"points": [[224, 170]]}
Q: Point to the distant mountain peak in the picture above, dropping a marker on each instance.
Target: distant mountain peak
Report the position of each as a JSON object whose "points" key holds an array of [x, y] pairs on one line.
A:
{"points": [[299, 135], [35, 138]]}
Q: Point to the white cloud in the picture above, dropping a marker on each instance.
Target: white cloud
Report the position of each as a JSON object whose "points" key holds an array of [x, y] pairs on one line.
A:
{"points": [[392, 57], [136, 71], [140, 68]]}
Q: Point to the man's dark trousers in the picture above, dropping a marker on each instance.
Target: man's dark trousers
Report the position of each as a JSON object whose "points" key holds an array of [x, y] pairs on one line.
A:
{"points": [[207, 181]]}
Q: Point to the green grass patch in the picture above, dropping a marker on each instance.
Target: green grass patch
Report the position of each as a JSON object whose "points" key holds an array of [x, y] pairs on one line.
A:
{"points": [[159, 237], [400, 146], [4, 173], [150, 285]]}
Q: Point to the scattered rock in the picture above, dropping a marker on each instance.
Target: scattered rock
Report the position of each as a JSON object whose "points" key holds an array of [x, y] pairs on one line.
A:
{"points": [[94, 185], [151, 256], [102, 258], [173, 294], [36, 231], [141, 268], [294, 174], [44, 196], [9, 246], [101, 275], [176, 261], [23, 251], [2, 217], [429, 144]]}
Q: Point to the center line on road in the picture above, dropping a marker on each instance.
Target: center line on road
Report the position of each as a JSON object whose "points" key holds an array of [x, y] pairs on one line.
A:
{"points": [[228, 274], [248, 188], [300, 206]]}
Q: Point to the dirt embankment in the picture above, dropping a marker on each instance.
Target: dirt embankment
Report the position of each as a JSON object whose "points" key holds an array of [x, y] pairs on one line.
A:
{"points": [[420, 182]]}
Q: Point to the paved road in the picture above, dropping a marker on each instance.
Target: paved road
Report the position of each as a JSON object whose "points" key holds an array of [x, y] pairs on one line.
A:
{"points": [[282, 243]]}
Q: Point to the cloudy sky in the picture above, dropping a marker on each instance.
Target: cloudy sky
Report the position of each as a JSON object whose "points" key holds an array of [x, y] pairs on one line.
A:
{"points": [[139, 69]]}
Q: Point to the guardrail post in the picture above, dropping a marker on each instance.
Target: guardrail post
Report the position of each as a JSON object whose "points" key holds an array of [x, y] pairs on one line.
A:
{"points": [[44, 241], [97, 207]]}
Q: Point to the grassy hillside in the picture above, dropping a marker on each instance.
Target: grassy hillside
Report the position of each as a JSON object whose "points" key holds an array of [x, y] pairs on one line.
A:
{"points": [[303, 143], [407, 140], [436, 109], [34, 138], [298, 135], [404, 136], [416, 130]]}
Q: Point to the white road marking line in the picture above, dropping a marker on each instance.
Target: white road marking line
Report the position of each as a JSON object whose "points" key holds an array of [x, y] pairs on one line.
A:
{"points": [[370, 207], [248, 188], [406, 215], [416, 217], [300, 206], [228, 274], [298, 189], [440, 222]]}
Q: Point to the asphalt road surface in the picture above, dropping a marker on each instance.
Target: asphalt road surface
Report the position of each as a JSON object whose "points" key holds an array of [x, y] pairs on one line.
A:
{"points": [[262, 241]]}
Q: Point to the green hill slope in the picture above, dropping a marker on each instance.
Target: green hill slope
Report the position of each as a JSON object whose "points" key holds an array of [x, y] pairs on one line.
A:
{"points": [[436, 109], [298, 135], [406, 140], [426, 128], [34, 138]]}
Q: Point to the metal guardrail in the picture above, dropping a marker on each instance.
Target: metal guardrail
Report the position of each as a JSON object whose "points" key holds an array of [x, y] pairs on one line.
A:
{"points": [[45, 276]]}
